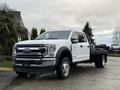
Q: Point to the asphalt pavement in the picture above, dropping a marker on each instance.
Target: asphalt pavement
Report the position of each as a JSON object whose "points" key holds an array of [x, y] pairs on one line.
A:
{"points": [[6, 77], [82, 77]]}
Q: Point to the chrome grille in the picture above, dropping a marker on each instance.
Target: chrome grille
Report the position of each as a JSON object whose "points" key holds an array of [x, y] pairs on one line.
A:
{"points": [[30, 51]]}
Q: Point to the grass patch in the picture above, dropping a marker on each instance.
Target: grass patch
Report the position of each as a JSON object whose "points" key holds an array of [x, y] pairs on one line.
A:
{"points": [[114, 55], [5, 62]]}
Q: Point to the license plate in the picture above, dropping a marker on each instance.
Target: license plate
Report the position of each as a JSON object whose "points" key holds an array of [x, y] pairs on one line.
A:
{"points": [[26, 65]]}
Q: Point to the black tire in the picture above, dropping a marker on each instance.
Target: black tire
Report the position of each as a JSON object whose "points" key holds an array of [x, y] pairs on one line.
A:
{"points": [[100, 61], [22, 74], [63, 68]]}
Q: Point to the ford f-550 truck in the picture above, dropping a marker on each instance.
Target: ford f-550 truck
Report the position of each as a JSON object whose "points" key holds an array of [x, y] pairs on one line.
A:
{"points": [[56, 51]]}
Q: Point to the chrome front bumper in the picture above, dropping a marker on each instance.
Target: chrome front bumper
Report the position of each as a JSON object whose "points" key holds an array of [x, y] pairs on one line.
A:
{"points": [[34, 65]]}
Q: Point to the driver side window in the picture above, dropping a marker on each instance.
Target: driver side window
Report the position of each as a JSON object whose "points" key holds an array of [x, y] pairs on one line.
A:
{"points": [[74, 37], [82, 38]]}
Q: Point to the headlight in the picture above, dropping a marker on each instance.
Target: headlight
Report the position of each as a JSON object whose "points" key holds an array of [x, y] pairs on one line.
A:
{"points": [[51, 49], [14, 51]]}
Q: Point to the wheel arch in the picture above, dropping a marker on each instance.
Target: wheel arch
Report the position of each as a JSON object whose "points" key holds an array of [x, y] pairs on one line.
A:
{"points": [[63, 51]]}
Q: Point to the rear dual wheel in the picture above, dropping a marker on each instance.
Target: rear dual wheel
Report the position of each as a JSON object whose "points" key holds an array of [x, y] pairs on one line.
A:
{"points": [[100, 61]]}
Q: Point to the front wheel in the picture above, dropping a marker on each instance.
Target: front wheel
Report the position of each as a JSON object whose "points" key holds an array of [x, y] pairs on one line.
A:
{"points": [[63, 68], [100, 61]]}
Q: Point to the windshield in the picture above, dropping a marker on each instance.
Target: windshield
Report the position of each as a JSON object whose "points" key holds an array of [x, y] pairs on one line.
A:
{"points": [[54, 35]]}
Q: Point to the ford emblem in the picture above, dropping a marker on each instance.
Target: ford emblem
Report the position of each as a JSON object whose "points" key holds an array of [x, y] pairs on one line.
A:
{"points": [[26, 50]]}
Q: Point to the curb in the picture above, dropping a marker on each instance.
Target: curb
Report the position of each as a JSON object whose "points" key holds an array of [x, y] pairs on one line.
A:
{"points": [[5, 69]]}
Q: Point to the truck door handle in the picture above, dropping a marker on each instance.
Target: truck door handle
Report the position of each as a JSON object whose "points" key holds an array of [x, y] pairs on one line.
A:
{"points": [[88, 46], [81, 46]]}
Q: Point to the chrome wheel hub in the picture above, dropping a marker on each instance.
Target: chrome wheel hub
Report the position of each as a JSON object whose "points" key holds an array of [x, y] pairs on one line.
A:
{"points": [[65, 68], [103, 60]]}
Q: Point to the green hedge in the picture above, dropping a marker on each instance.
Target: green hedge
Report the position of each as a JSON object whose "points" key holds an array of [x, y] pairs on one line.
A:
{"points": [[6, 61], [114, 55]]}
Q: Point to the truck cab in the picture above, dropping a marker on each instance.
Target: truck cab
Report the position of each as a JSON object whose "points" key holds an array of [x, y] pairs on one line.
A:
{"points": [[55, 51]]}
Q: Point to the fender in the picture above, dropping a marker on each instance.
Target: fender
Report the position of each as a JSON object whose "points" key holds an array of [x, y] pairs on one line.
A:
{"points": [[63, 51]]}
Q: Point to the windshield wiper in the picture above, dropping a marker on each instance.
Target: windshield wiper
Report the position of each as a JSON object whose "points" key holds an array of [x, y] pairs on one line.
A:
{"points": [[51, 38], [45, 38]]}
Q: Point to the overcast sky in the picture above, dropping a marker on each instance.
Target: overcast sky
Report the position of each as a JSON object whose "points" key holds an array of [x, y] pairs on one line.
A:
{"points": [[103, 15]]}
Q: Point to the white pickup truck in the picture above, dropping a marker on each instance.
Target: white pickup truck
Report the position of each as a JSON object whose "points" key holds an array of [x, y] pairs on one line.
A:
{"points": [[56, 51]]}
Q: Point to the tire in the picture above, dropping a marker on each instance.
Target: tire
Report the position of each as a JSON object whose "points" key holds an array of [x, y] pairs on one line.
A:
{"points": [[63, 68], [100, 61], [22, 74]]}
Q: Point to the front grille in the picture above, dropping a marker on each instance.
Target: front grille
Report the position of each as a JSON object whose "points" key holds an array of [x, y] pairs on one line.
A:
{"points": [[30, 51], [30, 45]]}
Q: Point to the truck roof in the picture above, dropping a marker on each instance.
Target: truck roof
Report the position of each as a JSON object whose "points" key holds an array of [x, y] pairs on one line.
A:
{"points": [[66, 30]]}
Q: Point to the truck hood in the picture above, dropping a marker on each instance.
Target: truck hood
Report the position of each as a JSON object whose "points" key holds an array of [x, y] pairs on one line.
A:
{"points": [[42, 42]]}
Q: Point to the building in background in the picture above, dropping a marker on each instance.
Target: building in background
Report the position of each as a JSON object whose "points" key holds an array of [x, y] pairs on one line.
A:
{"points": [[23, 33], [18, 20], [18, 17]]}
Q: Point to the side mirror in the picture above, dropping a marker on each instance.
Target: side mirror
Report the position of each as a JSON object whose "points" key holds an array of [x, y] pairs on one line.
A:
{"points": [[74, 40]]}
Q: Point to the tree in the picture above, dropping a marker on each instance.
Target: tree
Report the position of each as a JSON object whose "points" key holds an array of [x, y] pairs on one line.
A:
{"points": [[88, 31], [8, 33], [42, 30], [22, 33], [10, 30], [25, 34], [33, 33], [116, 36]]}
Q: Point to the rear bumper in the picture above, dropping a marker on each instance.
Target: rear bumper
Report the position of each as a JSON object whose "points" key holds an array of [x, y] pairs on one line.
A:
{"points": [[44, 65]]}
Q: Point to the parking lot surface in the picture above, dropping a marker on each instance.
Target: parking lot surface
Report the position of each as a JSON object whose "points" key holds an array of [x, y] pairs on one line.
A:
{"points": [[82, 77]]}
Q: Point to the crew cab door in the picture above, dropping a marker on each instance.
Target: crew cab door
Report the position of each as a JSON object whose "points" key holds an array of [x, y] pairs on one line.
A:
{"points": [[80, 47], [84, 47]]}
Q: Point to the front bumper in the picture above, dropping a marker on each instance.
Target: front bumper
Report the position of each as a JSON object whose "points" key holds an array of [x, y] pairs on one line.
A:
{"points": [[44, 65]]}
